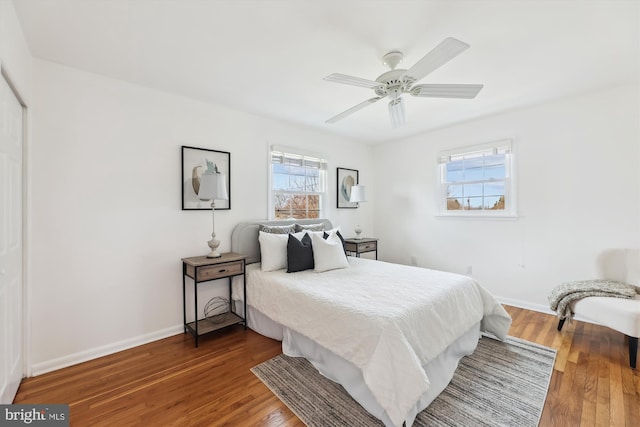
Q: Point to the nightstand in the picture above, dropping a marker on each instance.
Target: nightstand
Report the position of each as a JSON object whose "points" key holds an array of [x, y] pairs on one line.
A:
{"points": [[202, 269], [360, 246]]}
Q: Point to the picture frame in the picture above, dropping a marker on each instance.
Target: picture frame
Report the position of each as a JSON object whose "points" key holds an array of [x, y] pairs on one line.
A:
{"points": [[194, 163], [346, 179]]}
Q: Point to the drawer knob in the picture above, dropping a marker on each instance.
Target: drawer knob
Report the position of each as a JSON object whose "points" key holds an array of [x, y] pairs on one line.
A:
{"points": [[222, 270]]}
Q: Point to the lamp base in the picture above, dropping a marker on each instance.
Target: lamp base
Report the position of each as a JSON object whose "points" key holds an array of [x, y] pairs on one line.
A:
{"points": [[213, 244]]}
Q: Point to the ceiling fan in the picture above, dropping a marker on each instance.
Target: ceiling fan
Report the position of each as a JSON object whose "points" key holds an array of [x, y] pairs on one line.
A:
{"points": [[394, 83]]}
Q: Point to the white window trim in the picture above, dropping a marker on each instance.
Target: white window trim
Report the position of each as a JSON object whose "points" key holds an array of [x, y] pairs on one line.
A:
{"points": [[511, 196], [300, 152]]}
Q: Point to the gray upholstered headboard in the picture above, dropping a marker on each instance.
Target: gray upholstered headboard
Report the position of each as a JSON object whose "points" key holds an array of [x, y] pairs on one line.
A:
{"points": [[244, 237]]}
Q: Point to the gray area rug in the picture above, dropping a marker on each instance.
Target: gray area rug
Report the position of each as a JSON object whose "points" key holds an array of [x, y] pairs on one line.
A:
{"points": [[500, 384]]}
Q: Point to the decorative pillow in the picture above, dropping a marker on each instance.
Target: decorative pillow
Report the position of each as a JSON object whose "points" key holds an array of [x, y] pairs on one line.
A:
{"points": [[310, 227], [299, 254], [328, 254], [277, 229], [273, 251], [335, 232]]}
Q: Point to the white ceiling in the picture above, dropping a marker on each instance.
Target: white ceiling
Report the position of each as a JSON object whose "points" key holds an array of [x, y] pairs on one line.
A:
{"points": [[269, 57]]}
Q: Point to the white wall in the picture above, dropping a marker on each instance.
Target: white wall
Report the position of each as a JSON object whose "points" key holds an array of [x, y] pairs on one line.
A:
{"points": [[578, 187], [108, 231]]}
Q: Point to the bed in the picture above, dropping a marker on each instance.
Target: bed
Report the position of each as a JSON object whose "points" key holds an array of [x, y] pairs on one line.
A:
{"points": [[391, 335]]}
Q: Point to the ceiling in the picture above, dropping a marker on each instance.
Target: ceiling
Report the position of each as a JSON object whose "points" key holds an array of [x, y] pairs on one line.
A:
{"points": [[269, 57]]}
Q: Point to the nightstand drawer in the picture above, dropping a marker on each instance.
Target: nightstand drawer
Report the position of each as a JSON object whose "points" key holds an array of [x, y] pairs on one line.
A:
{"points": [[219, 271], [361, 247], [366, 247]]}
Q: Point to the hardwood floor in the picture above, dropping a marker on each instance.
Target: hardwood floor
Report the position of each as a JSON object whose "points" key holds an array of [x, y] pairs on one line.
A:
{"points": [[171, 383]]}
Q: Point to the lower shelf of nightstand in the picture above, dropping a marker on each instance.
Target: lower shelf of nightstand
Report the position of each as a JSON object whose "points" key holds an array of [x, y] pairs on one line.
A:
{"points": [[205, 326]]}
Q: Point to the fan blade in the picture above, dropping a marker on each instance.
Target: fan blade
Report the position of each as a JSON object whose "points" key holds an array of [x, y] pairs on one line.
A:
{"points": [[446, 91], [353, 110], [350, 80], [448, 49], [396, 112]]}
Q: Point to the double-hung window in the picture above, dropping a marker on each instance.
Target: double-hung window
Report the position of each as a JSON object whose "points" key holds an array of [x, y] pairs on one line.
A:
{"points": [[478, 181], [298, 182]]}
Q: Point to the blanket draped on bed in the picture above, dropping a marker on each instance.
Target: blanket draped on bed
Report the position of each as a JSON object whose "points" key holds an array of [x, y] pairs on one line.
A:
{"points": [[563, 295], [386, 319]]}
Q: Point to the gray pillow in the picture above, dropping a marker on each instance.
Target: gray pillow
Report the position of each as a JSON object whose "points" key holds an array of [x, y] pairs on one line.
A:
{"points": [[277, 229], [309, 227]]}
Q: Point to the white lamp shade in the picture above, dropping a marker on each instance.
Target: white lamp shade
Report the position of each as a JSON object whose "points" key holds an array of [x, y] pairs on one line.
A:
{"points": [[357, 194], [213, 186]]}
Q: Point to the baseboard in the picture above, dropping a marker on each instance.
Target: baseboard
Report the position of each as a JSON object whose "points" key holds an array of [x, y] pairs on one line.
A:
{"points": [[525, 304], [538, 307], [83, 356]]}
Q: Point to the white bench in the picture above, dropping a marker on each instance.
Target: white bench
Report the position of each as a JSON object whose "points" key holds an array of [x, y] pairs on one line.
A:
{"points": [[620, 314]]}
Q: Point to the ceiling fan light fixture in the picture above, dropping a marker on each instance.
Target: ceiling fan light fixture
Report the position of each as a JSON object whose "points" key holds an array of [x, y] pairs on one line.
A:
{"points": [[397, 113]]}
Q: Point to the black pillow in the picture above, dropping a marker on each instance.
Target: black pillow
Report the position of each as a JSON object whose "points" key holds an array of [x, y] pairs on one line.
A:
{"points": [[299, 254], [325, 236]]}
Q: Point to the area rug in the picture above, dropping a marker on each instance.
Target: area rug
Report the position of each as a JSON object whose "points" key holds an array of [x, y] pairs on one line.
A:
{"points": [[500, 384]]}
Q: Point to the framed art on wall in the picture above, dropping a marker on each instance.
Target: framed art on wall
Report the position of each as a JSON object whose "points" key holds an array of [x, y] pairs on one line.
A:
{"points": [[194, 163], [347, 178]]}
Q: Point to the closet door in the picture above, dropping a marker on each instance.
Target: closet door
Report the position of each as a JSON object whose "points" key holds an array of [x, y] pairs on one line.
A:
{"points": [[11, 285]]}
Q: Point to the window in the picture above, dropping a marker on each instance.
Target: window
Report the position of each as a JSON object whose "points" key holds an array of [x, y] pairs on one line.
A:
{"points": [[297, 184], [478, 181]]}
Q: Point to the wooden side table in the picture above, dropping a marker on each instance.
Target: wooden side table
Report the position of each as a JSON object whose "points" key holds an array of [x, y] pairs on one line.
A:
{"points": [[360, 246], [203, 269]]}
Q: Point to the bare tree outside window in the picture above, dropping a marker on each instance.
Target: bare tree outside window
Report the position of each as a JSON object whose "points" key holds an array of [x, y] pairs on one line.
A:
{"points": [[478, 179], [297, 185]]}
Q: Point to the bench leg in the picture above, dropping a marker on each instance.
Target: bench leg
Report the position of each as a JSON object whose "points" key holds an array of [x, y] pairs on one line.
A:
{"points": [[633, 351], [561, 324]]}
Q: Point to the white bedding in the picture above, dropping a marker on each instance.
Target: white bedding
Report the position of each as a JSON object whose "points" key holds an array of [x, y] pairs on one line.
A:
{"points": [[387, 319]]}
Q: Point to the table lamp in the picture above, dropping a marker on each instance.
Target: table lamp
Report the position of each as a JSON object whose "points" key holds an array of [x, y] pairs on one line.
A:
{"points": [[357, 196], [213, 186]]}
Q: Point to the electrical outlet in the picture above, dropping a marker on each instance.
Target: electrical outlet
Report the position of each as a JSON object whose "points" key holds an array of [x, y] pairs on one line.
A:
{"points": [[469, 269], [414, 260]]}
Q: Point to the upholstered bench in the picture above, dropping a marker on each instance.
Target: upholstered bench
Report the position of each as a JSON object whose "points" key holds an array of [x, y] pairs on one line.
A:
{"points": [[620, 314]]}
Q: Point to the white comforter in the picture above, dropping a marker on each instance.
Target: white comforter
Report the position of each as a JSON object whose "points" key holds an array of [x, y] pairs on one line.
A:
{"points": [[387, 319]]}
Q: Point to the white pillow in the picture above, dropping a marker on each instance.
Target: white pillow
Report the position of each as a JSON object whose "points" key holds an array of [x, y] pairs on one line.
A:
{"points": [[300, 234], [333, 231], [273, 250], [328, 254], [319, 233]]}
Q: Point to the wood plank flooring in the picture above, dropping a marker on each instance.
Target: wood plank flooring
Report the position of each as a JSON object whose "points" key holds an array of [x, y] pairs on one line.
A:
{"points": [[172, 383]]}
